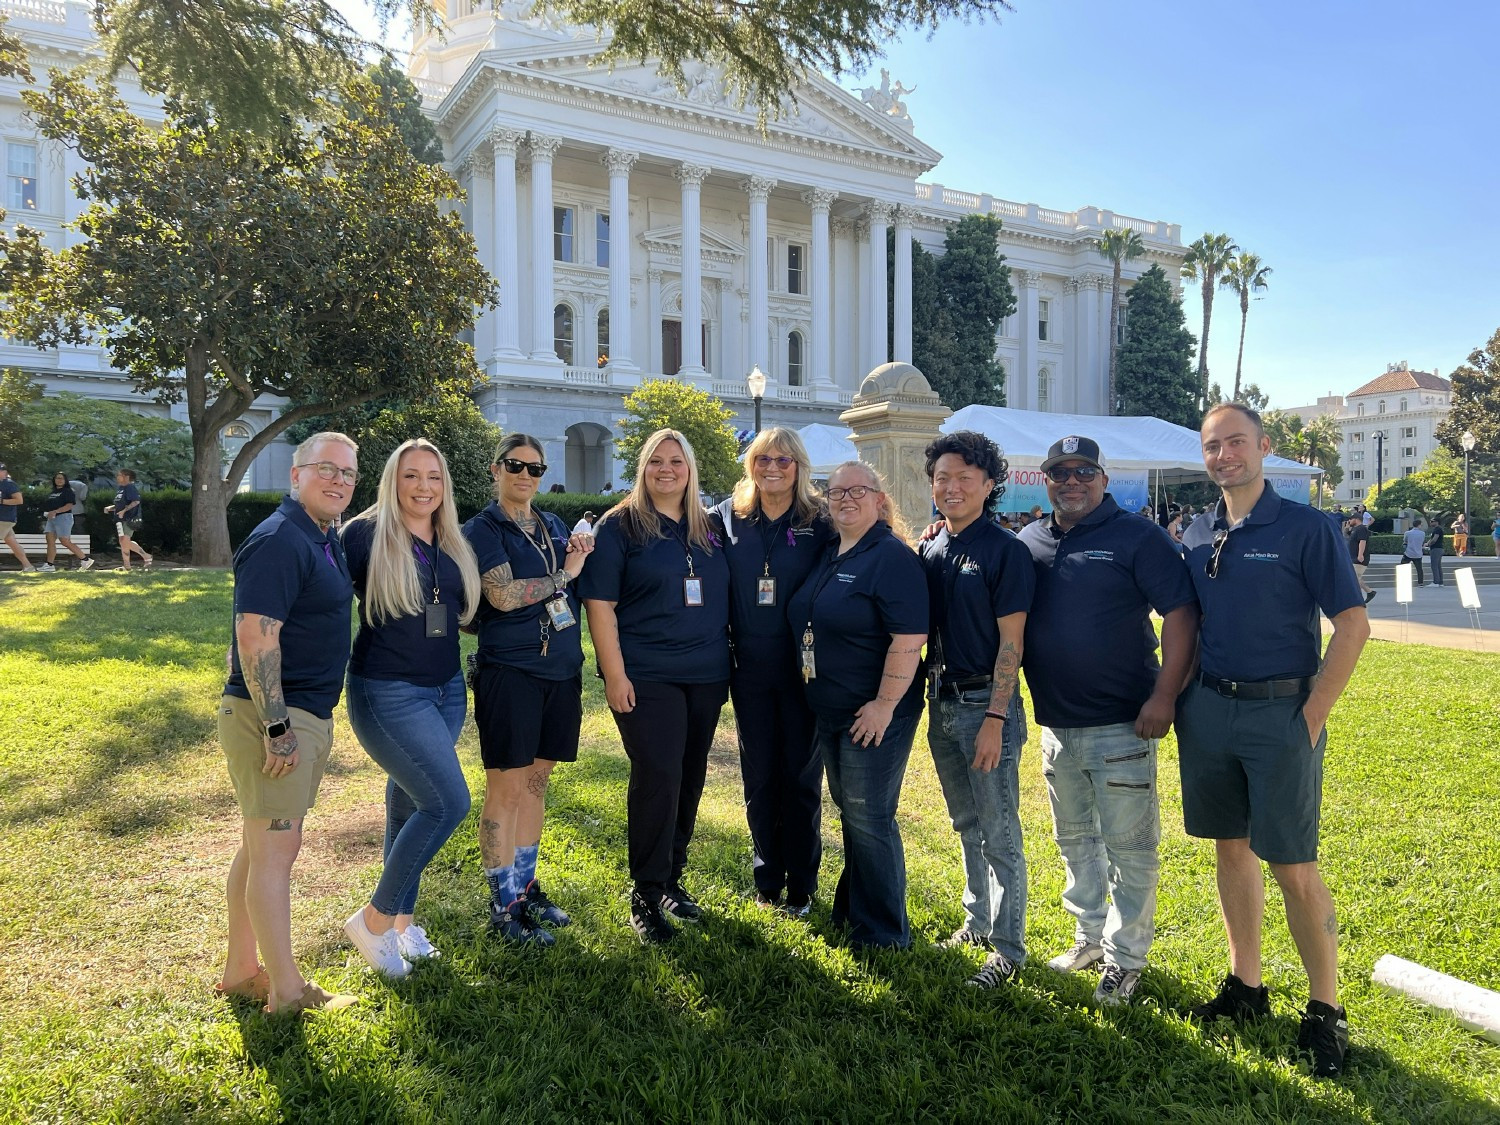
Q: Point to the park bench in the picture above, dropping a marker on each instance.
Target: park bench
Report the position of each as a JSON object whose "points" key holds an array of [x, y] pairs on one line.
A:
{"points": [[35, 546]]}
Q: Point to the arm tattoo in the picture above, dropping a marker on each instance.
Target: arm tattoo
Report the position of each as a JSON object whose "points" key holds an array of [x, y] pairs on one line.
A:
{"points": [[1007, 665], [279, 826], [264, 682], [507, 593]]}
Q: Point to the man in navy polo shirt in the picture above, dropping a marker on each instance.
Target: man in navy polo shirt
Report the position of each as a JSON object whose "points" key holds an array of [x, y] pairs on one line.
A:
{"points": [[979, 584], [11, 500], [1103, 703], [1251, 728], [292, 599]]}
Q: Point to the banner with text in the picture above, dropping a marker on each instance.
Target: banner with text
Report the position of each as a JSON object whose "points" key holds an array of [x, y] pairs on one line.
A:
{"points": [[1027, 487]]}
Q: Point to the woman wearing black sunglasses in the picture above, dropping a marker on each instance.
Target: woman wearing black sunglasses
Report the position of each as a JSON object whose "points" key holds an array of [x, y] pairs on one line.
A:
{"points": [[528, 684]]}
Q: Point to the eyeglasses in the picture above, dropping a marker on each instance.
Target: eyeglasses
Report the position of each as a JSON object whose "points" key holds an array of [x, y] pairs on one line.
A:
{"points": [[515, 466], [329, 471], [1211, 568], [765, 461], [855, 492], [1083, 474]]}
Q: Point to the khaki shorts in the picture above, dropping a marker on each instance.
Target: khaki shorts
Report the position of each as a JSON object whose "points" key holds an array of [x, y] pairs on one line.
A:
{"points": [[243, 739]]}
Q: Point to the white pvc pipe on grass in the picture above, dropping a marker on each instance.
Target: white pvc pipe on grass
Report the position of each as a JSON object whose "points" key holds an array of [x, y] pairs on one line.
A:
{"points": [[1476, 1008]]}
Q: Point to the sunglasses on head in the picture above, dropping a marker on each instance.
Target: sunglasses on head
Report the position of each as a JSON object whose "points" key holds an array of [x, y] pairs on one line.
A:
{"points": [[1083, 474], [765, 461], [515, 466]]}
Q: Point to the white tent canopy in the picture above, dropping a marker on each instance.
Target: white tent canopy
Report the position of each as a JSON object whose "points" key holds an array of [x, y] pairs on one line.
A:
{"points": [[827, 446]]}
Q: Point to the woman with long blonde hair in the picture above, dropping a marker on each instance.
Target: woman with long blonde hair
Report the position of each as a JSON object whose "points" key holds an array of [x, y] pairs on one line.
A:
{"points": [[657, 595], [417, 583], [774, 529]]}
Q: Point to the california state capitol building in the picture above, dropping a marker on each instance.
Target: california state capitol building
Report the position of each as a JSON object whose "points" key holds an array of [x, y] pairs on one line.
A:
{"points": [[638, 230]]}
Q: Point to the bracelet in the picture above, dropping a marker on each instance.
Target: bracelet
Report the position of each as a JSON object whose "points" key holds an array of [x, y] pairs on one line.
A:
{"points": [[994, 715]]}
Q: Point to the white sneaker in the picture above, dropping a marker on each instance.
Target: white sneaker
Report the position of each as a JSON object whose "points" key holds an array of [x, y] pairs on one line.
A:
{"points": [[46, 568], [86, 563], [1083, 954], [414, 945], [380, 950], [1116, 986]]}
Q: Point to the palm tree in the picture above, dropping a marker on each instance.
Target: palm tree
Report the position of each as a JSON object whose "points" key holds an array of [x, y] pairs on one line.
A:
{"points": [[1322, 436], [1119, 246], [1207, 258], [1245, 275]]}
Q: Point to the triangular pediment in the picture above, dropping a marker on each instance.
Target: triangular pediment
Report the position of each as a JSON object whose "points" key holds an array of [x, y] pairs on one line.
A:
{"points": [[668, 240]]}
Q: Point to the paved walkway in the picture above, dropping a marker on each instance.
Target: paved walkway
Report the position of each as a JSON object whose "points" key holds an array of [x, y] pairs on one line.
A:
{"points": [[1435, 617]]}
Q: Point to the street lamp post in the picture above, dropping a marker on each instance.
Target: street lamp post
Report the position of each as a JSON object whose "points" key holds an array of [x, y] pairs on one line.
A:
{"points": [[1379, 464], [756, 381], [1468, 442]]}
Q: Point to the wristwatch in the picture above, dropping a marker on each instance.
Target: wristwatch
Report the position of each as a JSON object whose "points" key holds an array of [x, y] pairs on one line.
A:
{"points": [[275, 728]]}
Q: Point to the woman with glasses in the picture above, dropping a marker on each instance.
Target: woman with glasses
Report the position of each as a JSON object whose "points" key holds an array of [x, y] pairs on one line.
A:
{"points": [[860, 620], [417, 583], [774, 529], [657, 594], [528, 683]]}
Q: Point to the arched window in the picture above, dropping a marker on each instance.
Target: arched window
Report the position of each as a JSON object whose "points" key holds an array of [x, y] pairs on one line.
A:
{"points": [[1044, 390], [232, 439], [794, 359], [603, 337], [1380, 408], [1403, 406], [1360, 410], [562, 333]]}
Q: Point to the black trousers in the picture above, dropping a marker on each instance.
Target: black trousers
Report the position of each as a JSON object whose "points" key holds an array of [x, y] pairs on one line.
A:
{"points": [[667, 738], [1416, 562], [783, 775]]}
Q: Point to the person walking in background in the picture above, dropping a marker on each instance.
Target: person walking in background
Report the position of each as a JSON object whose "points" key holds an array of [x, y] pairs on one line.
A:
{"points": [[1359, 552], [1411, 549], [292, 596], [128, 518], [657, 594], [1252, 730], [528, 682], [11, 500], [417, 584], [1104, 705], [1434, 544], [979, 585], [861, 618], [775, 528], [58, 510], [1460, 536]]}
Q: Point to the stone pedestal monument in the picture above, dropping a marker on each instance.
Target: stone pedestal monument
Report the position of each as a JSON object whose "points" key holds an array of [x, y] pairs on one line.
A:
{"points": [[894, 417]]}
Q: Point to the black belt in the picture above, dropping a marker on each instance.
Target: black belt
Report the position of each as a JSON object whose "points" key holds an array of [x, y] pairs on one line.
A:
{"points": [[973, 683], [1257, 689]]}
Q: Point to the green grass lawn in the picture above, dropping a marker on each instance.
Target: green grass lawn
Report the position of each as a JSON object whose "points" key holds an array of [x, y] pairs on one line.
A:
{"points": [[117, 823]]}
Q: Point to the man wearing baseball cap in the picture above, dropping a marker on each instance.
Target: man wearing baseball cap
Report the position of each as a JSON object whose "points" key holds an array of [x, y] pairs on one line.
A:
{"points": [[1103, 701], [10, 506]]}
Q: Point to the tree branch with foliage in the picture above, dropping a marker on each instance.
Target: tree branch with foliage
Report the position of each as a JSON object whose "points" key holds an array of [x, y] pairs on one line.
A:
{"points": [[700, 417]]}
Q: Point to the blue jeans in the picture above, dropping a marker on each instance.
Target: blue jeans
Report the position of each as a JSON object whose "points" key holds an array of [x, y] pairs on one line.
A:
{"points": [[986, 813], [410, 732], [1107, 822], [865, 784]]}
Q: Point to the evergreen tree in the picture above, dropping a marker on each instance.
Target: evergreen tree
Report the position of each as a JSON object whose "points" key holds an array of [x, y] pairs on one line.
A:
{"points": [[697, 415], [401, 104], [1155, 362], [1476, 410]]}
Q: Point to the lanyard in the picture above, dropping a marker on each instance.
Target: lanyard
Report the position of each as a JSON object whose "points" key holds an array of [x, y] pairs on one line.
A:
{"points": [[549, 556], [768, 541], [687, 547], [416, 546]]}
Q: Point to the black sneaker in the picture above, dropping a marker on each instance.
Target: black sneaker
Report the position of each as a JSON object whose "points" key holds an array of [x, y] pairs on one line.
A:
{"points": [[514, 923], [543, 909], [797, 906], [1235, 1000], [998, 969], [647, 919], [1324, 1036], [960, 938], [767, 901], [679, 904]]}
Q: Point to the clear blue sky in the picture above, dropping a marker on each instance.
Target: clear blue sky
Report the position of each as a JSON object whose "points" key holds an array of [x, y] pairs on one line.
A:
{"points": [[1354, 147]]}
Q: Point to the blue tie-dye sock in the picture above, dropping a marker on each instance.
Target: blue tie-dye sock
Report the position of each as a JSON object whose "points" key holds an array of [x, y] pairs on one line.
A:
{"points": [[505, 884], [526, 864]]}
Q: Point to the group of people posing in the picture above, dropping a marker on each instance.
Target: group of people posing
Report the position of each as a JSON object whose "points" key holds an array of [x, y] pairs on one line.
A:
{"points": [[811, 610]]}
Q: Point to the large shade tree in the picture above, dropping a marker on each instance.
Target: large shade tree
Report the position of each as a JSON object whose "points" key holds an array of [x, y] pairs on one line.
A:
{"points": [[215, 268], [260, 63], [1246, 275], [1476, 410], [1118, 247], [1208, 256]]}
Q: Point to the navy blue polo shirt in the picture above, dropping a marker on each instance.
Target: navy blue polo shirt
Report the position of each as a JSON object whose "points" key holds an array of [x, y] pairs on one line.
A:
{"points": [[756, 547], [1090, 655], [514, 637], [8, 512], [973, 578], [1277, 569], [662, 639], [400, 649], [288, 570], [128, 494], [855, 601]]}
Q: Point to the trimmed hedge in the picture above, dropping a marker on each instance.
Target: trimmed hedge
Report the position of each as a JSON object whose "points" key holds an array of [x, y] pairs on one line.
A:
{"points": [[1480, 546]]}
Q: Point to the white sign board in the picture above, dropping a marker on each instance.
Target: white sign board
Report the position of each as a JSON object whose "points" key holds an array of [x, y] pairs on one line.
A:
{"points": [[1404, 574], [1468, 592]]}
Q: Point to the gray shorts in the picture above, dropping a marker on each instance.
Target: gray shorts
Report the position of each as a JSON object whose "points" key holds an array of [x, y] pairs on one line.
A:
{"points": [[1250, 770], [60, 526]]}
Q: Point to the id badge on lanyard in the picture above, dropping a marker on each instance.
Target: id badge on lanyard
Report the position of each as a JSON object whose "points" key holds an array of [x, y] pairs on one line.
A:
{"points": [[809, 663], [435, 619], [561, 613]]}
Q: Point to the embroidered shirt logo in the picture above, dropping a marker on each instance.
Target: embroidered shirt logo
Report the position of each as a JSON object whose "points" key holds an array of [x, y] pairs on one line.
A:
{"points": [[842, 577], [1262, 556], [968, 566], [1102, 556]]}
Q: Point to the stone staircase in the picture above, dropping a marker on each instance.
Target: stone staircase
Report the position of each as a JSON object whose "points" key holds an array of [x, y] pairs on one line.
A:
{"points": [[1382, 572]]}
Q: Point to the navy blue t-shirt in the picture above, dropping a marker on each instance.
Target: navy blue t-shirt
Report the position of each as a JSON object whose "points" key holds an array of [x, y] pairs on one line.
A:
{"points": [[60, 500], [973, 579], [400, 649], [288, 570], [9, 512], [128, 494], [1090, 649], [662, 639], [753, 545], [1277, 569], [855, 601], [514, 637]]}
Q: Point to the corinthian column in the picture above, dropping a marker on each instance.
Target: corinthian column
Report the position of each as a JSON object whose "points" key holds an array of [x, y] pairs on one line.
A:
{"points": [[505, 254], [543, 149], [691, 176], [880, 219], [759, 190], [619, 163], [901, 302], [820, 200]]}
